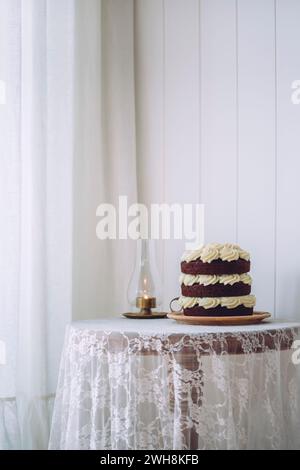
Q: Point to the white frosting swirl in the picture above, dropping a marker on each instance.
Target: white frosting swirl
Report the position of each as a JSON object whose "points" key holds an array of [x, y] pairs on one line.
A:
{"points": [[229, 253], [209, 280], [247, 301], [210, 252], [213, 251]]}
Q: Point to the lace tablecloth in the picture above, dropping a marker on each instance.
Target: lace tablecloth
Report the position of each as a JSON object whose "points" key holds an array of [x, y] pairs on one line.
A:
{"points": [[155, 384]]}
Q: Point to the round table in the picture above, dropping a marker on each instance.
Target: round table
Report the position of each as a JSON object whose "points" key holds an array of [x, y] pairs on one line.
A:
{"points": [[156, 384]]}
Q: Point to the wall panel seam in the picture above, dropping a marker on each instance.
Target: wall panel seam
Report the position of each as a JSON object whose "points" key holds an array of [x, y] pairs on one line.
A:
{"points": [[199, 172], [276, 157], [163, 5], [237, 118]]}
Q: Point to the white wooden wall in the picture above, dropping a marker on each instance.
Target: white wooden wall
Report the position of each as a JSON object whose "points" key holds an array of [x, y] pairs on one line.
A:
{"points": [[216, 122]]}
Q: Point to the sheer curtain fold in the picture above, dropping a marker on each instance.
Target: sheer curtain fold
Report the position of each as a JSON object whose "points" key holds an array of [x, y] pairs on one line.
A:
{"points": [[67, 143], [104, 126], [45, 207]]}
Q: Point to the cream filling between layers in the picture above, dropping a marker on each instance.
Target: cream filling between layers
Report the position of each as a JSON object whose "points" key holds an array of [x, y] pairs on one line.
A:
{"points": [[247, 301], [209, 280], [214, 251]]}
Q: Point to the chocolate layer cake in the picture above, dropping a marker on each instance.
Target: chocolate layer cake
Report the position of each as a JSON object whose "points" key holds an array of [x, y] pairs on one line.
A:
{"points": [[215, 281]]}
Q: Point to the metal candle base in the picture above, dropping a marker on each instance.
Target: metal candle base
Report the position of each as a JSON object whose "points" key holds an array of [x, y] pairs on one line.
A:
{"points": [[141, 316], [145, 304]]}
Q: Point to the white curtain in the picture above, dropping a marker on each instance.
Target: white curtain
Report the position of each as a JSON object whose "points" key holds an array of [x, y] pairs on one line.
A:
{"points": [[67, 143]]}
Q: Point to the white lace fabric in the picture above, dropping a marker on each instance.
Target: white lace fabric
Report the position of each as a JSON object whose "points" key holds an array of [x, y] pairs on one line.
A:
{"points": [[158, 385]]}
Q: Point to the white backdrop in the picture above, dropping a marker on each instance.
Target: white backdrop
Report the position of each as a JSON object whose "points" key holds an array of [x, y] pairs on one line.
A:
{"points": [[170, 100], [216, 124]]}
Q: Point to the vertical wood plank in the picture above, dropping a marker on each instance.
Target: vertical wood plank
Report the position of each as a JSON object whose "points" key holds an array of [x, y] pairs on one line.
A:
{"points": [[219, 118], [288, 161], [256, 149], [149, 73], [149, 95], [181, 121]]}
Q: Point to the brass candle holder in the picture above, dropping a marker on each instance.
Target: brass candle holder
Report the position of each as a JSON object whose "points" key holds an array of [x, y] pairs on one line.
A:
{"points": [[145, 304], [144, 289]]}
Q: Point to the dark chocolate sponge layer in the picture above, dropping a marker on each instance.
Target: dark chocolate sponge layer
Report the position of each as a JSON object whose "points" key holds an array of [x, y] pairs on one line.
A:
{"points": [[219, 311], [217, 267], [216, 290]]}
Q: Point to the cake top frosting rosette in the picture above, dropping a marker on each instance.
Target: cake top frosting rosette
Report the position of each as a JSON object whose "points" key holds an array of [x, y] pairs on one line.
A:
{"points": [[216, 251], [216, 258]]}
